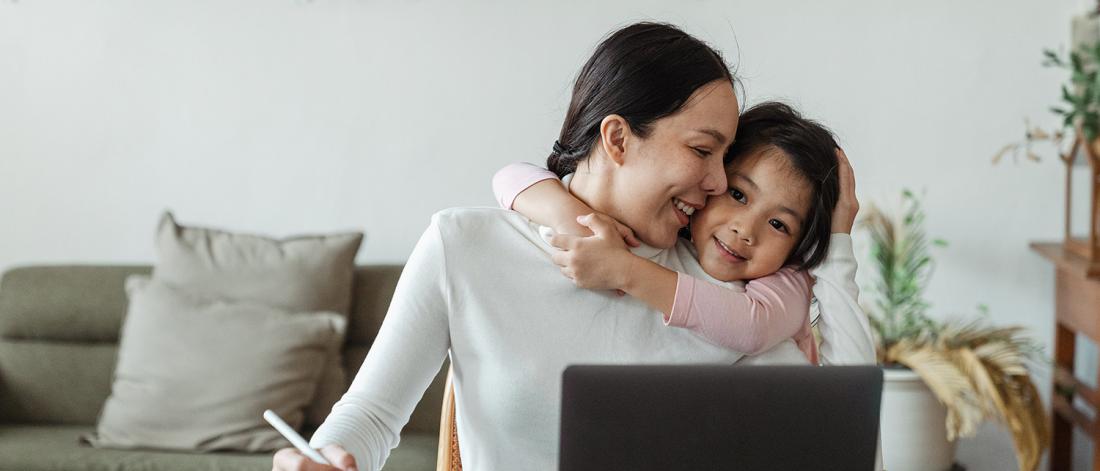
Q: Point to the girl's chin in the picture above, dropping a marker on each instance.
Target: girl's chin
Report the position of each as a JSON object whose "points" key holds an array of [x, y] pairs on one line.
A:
{"points": [[721, 270]]}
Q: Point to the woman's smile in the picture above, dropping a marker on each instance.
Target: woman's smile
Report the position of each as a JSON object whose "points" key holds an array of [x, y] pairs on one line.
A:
{"points": [[683, 211]]}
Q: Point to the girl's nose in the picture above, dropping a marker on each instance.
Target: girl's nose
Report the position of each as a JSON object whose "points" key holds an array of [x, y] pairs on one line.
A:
{"points": [[742, 232]]}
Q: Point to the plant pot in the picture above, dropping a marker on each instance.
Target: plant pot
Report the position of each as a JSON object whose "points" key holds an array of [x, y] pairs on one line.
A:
{"points": [[914, 434]]}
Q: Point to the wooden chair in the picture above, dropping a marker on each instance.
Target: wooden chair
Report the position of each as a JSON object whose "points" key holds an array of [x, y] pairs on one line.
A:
{"points": [[448, 458]]}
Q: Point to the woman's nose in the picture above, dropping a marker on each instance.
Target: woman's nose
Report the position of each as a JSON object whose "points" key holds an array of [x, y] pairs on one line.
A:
{"points": [[714, 181]]}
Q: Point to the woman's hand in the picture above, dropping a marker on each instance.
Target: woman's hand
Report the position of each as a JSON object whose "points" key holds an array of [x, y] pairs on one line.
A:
{"points": [[600, 261], [290, 459], [844, 215]]}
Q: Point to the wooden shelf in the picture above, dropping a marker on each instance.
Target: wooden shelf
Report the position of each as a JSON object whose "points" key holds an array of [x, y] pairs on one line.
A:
{"points": [[1068, 258], [1062, 258], [1076, 312]]}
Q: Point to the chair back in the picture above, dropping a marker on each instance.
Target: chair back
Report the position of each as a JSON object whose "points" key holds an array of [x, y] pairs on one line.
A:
{"points": [[448, 457]]}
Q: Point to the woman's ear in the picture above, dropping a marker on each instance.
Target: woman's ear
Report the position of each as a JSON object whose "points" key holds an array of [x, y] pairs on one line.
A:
{"points": [[614, 131]]}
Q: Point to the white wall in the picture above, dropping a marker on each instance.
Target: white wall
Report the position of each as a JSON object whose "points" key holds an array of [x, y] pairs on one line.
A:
{"points": [[284, 116]]}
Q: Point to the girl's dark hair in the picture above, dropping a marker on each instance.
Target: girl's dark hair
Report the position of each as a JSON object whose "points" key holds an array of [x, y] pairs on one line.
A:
{"points": [[642, 72], [811, 153]]}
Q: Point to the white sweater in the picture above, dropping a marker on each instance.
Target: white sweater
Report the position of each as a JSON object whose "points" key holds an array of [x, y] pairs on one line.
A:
{"points": [[480, 284]]}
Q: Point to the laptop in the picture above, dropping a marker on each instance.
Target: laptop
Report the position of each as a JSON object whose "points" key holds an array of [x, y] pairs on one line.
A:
{"points": [[702, 417]]}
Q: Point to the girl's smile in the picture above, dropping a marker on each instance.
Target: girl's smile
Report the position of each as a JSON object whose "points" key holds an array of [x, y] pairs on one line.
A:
{"points": [[725, 250]]}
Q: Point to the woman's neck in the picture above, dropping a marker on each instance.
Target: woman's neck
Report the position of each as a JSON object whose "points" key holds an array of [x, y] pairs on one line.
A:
{"points": [[593, 188], [592, 184]]}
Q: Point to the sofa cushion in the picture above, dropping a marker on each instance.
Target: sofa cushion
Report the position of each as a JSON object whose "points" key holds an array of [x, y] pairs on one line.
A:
{"points": [[64, 303], [304, 273], [54, 383], [57, 448], [296, 273], [196, 373]]}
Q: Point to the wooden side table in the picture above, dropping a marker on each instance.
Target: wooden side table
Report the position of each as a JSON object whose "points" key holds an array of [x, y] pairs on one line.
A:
{"points": [[1076, 311]]}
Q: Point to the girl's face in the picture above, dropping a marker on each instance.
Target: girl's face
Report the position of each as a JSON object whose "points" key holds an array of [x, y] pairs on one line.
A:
{"points": [[749, 232], [667, 175]]}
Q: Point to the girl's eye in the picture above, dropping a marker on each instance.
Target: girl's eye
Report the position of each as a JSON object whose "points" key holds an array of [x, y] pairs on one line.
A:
{"points": [[779, 225], [702, 152], [737, 195]]}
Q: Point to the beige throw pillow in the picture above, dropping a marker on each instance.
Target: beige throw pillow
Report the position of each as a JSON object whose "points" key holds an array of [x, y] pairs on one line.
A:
{"points": [[305, 273], [196, 374]]}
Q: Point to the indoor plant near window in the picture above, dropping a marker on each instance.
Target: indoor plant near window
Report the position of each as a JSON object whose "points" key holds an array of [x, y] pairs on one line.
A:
{"points": [[943, 379]]}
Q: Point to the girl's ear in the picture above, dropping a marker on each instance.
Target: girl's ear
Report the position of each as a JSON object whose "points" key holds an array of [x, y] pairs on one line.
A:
{"points": [[614, 131]]}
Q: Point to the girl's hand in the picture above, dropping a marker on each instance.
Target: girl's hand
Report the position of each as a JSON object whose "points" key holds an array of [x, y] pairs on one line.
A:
{"points": [[290, 459], [600, 261], [844, 215], [574, 227], [626, 232]]}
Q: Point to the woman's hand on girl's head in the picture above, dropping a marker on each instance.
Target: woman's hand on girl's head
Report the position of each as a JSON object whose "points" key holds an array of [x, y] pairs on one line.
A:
{"points": [[600, 261], [844, 215], [290, 459]]}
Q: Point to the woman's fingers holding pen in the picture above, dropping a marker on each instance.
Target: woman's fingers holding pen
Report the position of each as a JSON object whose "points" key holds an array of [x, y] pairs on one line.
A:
{"points": [[339, 457], [290, 459]]}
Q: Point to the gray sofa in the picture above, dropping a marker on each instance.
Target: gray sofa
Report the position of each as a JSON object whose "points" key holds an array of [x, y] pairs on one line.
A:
{"points": [[59, 328]]}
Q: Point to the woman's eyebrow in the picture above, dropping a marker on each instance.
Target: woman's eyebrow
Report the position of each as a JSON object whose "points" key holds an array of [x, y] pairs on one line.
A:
{"points": [[713, 133]]}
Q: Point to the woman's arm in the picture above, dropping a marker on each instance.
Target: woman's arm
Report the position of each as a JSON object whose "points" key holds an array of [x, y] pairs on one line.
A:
{"points": [[404, 358], [846, 337]]}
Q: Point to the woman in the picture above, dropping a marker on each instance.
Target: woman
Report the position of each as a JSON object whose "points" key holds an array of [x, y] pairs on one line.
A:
{"points": [[652, 114]]}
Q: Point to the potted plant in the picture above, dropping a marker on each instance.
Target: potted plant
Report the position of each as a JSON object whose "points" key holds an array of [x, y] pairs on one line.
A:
{"points": [[942, 379]]}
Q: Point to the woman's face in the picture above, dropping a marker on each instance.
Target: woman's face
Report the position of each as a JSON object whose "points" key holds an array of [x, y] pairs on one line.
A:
{"points": [[750, 231], [667, 175]]}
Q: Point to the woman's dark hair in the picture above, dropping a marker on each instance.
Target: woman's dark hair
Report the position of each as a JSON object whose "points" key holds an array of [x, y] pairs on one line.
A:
{"points": [[642, 72], [811, 153]]}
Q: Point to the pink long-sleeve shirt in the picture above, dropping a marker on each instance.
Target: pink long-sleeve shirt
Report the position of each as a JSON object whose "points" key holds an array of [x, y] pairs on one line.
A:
{"points": [[749, 319]]}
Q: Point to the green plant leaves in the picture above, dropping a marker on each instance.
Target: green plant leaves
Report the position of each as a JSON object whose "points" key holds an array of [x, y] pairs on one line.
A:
{"points": [[903, 265], [1082, 93], [1051, 59]]}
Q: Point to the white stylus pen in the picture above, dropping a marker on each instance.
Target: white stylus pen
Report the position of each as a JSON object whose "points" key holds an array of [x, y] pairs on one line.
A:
{"points": [[300, 443]]}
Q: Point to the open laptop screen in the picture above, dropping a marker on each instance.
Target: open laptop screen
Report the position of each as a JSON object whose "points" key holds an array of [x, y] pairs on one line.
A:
{"points": [[700, 417]]}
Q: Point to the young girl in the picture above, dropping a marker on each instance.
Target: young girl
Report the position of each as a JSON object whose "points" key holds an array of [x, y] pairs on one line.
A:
{"points": [[772, 226]]}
